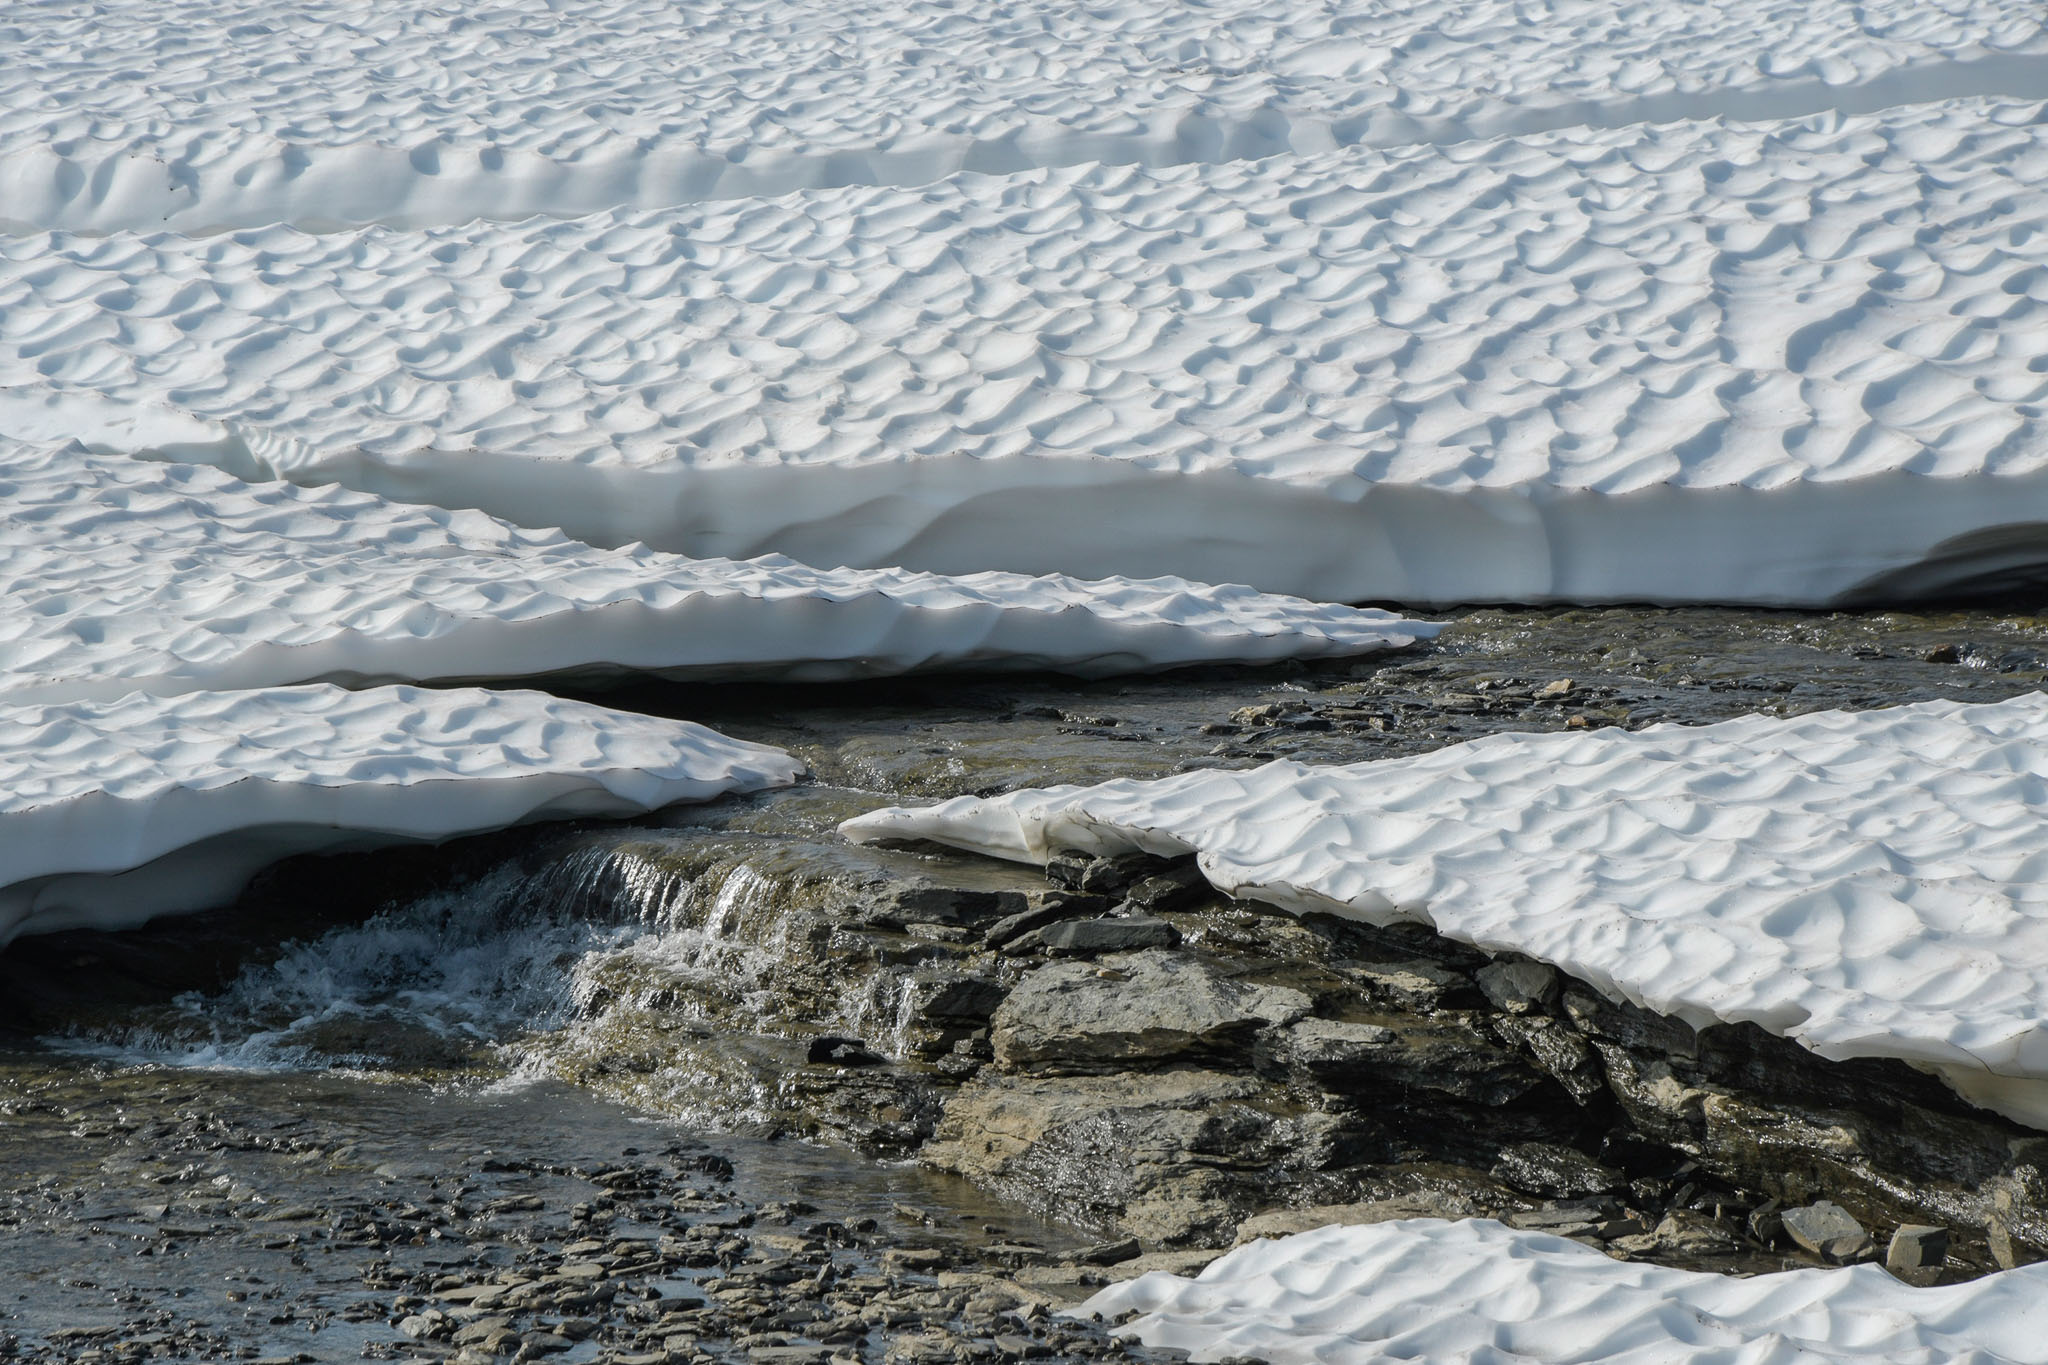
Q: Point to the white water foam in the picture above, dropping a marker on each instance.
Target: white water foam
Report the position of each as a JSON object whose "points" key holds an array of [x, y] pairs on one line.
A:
{"points": [[1479, 1293], [1869, 884]]}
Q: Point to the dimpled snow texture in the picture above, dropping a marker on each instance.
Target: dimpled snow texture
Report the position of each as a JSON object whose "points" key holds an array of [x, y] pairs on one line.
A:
{"points": [[124, 576], [1869, 884], [199, 791], [1478, 1293], [1769, 363], [199, 115]]}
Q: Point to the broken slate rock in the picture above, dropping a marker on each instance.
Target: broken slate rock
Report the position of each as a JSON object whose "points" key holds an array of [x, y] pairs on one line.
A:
{"points": [[1153, 1006], [1110, 934], [831, 1050], [1917, 1253], [1828, 1231], [1519, 987]]}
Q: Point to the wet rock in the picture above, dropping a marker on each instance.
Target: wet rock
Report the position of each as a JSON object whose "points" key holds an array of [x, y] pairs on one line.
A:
{"points": [[1174, 888], [832, 1050], [1110, 934], [1287, 1222], [1556, 1171], [1445, 1056], [1041, 909], [1828, 1231], [1077, 871], [1519, 987], [1149, 1007], [1417, 987], [1171, 1158], [1917, 1253], [952, 905]]}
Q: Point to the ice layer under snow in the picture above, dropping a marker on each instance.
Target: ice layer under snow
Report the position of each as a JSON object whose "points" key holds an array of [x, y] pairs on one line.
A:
{"points": [[118, 575], [204, 114], [112, 812], [1871, 884], [1477, 1293], [1776, 363]]}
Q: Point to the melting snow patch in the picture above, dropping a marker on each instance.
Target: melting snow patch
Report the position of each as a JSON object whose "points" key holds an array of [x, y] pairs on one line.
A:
{"points": [[113, 812], [204, 114], [1472, 1293], [1870, 884], [1774, 363], [124, 576]]}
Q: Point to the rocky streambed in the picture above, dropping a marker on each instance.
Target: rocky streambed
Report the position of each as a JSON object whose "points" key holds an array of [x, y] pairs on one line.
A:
{"points": [[904, 1104]]}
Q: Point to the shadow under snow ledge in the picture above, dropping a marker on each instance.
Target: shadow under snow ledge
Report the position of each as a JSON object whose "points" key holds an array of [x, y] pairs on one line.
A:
{"points": [[116, 812], [1867, 885]]}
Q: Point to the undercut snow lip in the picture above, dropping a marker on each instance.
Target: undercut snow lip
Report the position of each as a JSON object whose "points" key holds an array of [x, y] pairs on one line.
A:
{"points": [[1454, 1293], [1867, 884], [124, 575], [111, 813]]}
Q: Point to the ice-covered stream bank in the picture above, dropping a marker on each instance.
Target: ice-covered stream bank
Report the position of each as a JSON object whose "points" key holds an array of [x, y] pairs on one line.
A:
{"points": [[691, 968]]}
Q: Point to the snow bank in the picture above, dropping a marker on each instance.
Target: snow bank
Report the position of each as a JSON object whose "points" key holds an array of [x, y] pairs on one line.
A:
{"points": [[118, 576], [1869, 884], [113, 812], [199, 115], [1746, 363], [1472, 1293]]}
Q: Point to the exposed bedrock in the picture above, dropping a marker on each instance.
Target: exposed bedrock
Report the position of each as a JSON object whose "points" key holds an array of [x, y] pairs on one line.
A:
{"points": [[1243, 1072]]}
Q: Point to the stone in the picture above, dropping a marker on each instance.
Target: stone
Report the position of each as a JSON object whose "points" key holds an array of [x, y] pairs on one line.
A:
{"points": [[1152, 1007], [832, 1050], [1041, 909], [1288, 1222], [1110, 934], [1414, 987], [1519, 987], [1917, 1252], [1110, 876], [1177, 886], [1443, 1056], [1110, 1253], [1828, 1231], [1555, 1171], [953, 998]]}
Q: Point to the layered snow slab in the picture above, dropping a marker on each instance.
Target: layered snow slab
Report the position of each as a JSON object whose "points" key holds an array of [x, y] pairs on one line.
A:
{"points": [[1771, 363], [1474, 1293], [113, 812], [1871, 884], [200, 115], [118, 575]]}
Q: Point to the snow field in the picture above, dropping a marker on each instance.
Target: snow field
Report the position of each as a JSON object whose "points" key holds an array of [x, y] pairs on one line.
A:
{"points": [[1869, 884], [117, 811], [1779, 363], [200, 116], [1477, 1293], [122, 576]]}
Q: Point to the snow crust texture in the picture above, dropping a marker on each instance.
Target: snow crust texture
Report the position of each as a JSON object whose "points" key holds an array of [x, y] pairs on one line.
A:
{"points": [[1806, 351], [119, 575], [1476, 1293], [115, 811], [198, 116], [1869, 884]]}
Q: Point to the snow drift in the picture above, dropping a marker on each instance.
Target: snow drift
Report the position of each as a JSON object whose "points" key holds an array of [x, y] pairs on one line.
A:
{"points": [[1471, 1293], [113, 812], [119, 576], [1869, 884], [1778, 363]]}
